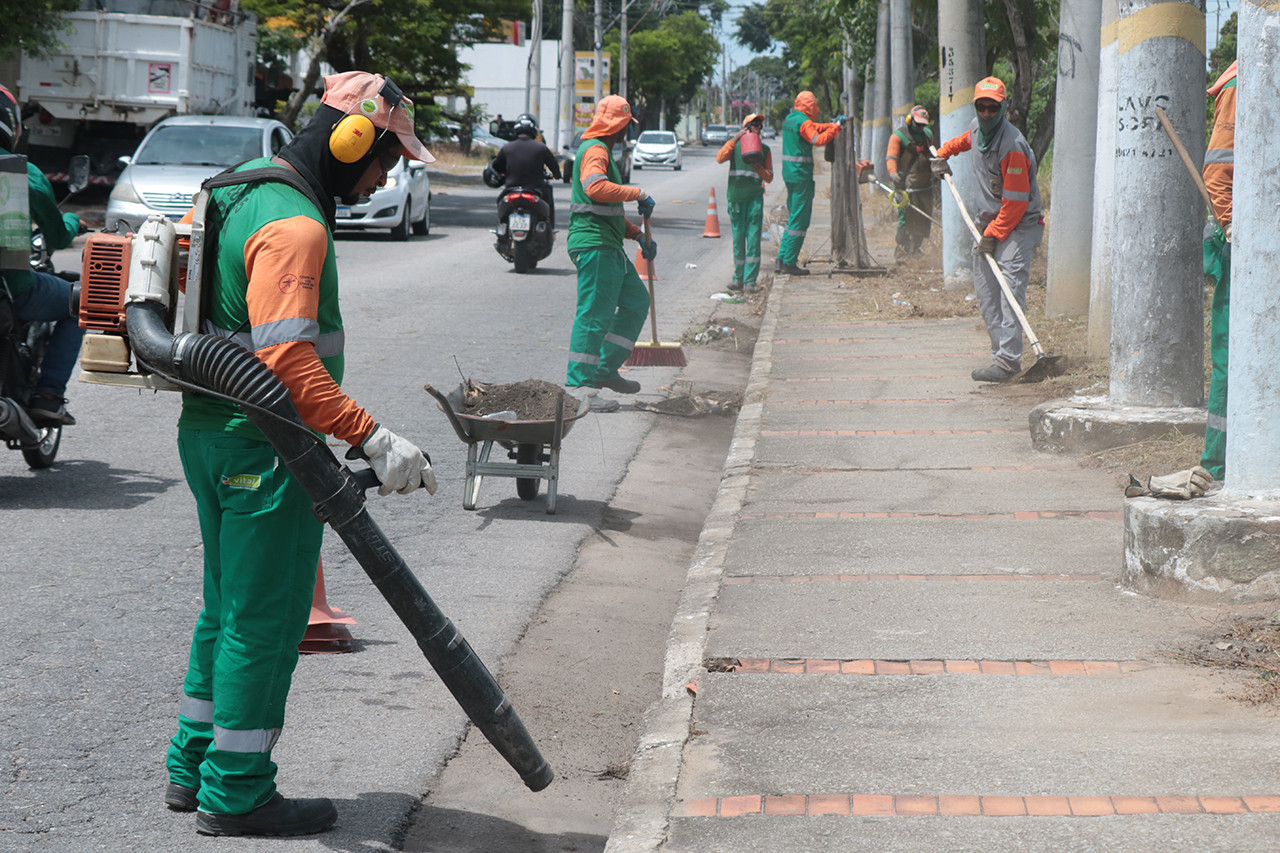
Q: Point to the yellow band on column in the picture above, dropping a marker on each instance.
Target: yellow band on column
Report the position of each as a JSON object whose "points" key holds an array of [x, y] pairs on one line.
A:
{"points": [[1179, 20]]}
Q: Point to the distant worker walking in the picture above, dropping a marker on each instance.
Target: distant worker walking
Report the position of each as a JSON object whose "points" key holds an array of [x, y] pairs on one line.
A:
{"points": [[800, 133], [747, 178], [1009, 216], [908, 163]]}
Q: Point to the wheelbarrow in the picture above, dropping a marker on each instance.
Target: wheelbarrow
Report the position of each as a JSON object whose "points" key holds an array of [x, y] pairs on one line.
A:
{"points": [[534, 445]]}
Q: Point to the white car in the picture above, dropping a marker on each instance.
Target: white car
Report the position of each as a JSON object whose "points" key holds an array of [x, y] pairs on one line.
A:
{"points": [[176, 155], [656, 148], [404, 204]]}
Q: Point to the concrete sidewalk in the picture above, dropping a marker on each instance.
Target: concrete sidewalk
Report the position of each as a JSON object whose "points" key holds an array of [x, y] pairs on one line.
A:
{"points": [[902, 630]]}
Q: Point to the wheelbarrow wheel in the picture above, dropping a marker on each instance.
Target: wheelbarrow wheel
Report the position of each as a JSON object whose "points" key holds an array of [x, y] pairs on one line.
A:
{"points": [[527, 487]]}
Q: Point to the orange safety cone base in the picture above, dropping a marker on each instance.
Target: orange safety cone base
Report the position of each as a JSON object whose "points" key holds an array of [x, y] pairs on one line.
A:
{"points": [[326, 633], [713, 218], [640, 265]]}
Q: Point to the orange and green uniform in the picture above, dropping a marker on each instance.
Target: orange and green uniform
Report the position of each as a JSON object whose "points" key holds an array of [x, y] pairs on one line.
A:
{"points": [[1219, 168], [746, 208], [1008, 209], [908, 158], [800, 133], [612, 300], [274, 290]]}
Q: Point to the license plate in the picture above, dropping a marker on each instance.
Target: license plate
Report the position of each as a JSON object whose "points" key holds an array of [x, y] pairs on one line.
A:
{"points": [[342, 212], [519, 221]]}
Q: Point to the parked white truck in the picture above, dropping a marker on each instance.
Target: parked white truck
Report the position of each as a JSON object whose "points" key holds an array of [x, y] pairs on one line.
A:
{"points": [[126, 64]]}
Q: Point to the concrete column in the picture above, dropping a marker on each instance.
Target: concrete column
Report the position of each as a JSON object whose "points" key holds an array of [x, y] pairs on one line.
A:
{"points": [[901, 85], [881, 130], [567, 97], [1074, 144], [961, 49], [1157, 292], [1253, 405], [868, 113], [1104, 178]]}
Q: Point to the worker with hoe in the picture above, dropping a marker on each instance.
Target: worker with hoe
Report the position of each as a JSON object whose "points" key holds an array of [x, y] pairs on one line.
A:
{"points": [[274, 289], [746, 202], [612, 300], [38, 295], [907, 160], [522, 161], [800, 133], [1008, 215]]}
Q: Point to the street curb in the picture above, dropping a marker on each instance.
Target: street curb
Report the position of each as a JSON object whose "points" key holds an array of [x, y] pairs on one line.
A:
{"points": [[642, 817]]}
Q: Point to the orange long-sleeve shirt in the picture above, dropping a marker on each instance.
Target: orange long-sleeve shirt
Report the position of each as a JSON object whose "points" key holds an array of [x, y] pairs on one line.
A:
{"points": [[1016, 175], [765, 171], [1219, 158]]}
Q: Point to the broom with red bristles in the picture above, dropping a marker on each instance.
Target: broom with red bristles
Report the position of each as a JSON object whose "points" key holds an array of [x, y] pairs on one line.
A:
{"points": [[654, 353]]}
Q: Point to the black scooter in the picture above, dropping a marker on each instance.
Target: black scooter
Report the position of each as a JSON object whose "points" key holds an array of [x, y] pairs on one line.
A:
{"points": [[22, 348], [525, 234]]}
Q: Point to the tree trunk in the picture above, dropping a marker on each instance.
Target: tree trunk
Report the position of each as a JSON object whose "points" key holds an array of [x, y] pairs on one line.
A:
{"points": [[316, 47], [1045, 125], [1024, 70]]}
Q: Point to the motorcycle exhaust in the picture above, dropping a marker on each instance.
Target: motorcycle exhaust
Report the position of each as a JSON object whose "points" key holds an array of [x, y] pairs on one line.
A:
{"points": [[16, 424], [223, 366]]}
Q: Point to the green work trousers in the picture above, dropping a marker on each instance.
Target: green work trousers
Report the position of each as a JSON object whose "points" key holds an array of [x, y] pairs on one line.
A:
{"points": [[261, 548], [799, 212], [1217, 263], [745, 220], [612, 305]]}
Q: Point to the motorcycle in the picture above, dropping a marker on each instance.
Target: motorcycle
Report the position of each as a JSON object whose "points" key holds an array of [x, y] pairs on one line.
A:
{"points": [[22, 347], [524, 228]]}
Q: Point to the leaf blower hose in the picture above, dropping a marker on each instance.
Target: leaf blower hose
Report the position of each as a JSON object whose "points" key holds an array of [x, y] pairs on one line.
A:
{"points": [[212, 365]]}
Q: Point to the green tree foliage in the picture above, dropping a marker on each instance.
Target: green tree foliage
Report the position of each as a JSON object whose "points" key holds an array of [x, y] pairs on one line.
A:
{"points": [[1224, 53], [33, 28], [667, 63], [809, 33]]}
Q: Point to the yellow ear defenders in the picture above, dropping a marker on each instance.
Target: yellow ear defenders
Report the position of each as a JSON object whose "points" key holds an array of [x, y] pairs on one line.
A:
{"points": [[354, 135]]}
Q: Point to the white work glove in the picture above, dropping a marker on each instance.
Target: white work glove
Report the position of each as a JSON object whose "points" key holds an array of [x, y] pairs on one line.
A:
{"points": [[1227, 232], [1183, 485], [398, 462]]}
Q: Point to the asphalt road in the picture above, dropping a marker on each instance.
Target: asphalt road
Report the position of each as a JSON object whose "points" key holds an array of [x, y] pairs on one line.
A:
{"points": [[100, 562]]}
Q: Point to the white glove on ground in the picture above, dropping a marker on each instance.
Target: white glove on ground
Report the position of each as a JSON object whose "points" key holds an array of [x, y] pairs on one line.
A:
{"points": [[398, 462], [1183, 485]]}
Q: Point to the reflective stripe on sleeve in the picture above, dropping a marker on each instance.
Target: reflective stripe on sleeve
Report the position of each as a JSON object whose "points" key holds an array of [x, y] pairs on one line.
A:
{"points": [[597, 209], [1220, 155], [591, 179]]}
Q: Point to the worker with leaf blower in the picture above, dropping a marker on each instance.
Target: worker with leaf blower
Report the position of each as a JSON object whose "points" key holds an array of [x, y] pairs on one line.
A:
{"points": [[271, 285], [800, 134], [1009, 216], [907, 160], [612, 300], [1219, 174], [746, 199]]}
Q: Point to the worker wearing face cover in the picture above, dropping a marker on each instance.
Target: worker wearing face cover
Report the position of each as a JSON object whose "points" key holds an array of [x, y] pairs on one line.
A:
{"points": [[800, 133], [1008, 215], [272, 286], [907, 160]]}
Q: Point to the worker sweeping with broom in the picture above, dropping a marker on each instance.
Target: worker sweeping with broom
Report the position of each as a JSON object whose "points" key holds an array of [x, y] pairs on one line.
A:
{"points": [[612, 300], [1009, 217]]}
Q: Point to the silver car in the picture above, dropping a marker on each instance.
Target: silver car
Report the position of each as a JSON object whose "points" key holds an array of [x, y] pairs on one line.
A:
{"points": [[402, 205], [166, 170], [656, 148]]}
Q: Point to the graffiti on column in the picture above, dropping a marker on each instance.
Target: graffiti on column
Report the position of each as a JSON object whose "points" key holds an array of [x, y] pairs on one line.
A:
{"points": [[947, 77], [1138, 131], [1068, 47]]}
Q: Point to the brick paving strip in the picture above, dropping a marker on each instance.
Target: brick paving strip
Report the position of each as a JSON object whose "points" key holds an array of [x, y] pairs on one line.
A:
{"points": [[901, 805], [855, 378], [882, 357], [837, 341], [843, 433], [827, 666], [861, 402], [856, 578]]}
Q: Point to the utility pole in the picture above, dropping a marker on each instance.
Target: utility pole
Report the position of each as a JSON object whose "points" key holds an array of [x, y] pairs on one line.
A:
{"points": [[624, 39], [880, 136], [567, 96], [724, 85], [1098, 336], [533, 86], [961, 48], [900, 83], [599, 61]]}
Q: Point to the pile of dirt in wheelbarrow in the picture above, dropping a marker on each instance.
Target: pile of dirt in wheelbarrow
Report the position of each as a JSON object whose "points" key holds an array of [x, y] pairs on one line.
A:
{"points": [[531, 400]]}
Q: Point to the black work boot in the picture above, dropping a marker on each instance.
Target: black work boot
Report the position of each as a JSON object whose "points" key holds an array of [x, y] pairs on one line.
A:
{"points": [[614, 382], [994, 373], [788, 269], [278, 817], [180, 798]]}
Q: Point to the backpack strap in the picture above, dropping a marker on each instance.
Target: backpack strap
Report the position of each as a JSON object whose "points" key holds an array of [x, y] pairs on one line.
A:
{"points": [[231, 178]]}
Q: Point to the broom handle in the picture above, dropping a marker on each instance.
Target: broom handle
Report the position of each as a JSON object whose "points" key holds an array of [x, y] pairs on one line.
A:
{"points": [[1186, 161], [653, 308]]}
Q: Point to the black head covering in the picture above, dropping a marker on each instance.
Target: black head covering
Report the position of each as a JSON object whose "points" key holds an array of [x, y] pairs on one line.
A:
{"points": [[308, 152]]}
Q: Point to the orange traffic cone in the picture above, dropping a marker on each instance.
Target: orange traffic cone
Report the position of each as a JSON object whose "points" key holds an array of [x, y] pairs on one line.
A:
{"points": [[326, 627], [713, 218], [641, 263]]}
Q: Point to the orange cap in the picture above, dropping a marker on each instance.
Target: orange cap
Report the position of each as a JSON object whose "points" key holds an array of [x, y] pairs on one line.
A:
{"points": [[613, 114], [753, 117], [359, 92], [919, 114], [989, 88]]}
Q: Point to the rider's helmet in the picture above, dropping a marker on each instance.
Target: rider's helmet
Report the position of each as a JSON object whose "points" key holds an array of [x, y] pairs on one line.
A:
{"points": [[10, 120], [526, 125]]}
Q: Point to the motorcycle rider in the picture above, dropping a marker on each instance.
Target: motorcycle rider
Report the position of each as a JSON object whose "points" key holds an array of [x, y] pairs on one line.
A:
{"points": [[522, 160], [43, 296], [274, 289]]}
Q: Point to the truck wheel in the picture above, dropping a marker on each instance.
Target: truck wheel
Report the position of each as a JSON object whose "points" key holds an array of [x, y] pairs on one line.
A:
{"points": [[401, 229]]}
